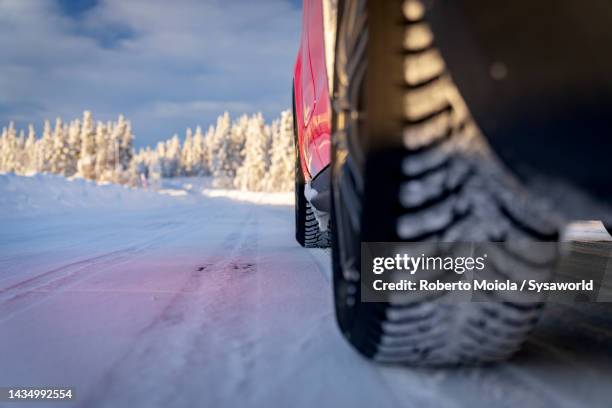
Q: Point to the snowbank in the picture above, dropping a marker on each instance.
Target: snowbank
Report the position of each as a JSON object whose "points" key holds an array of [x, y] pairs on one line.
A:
{"points": [[252, 197], [202, 186], [45, 194]]}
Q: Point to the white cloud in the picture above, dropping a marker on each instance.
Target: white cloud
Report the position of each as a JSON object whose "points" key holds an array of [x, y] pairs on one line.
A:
{"points": [[166, 65]]}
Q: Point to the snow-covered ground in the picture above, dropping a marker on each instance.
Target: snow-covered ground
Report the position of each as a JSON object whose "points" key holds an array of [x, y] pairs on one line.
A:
{"points": [[194, 297]]}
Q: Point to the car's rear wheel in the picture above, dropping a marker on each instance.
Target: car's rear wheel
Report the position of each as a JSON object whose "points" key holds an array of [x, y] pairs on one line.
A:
{"points": [[307, 231], [409, 164]]}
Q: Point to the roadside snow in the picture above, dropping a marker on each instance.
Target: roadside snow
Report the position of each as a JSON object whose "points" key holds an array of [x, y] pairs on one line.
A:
{"points": [[251, 197], [45, 194], [193, 297]]}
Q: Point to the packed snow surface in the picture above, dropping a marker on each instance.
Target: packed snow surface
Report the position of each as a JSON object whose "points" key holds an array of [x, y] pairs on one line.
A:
{"points": [[194, 297]]}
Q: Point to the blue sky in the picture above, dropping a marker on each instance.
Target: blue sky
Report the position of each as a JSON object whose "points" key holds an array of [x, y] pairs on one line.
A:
{"points": [[166, 65]]}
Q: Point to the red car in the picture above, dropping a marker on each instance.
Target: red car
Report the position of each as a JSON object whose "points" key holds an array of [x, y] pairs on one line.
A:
{"points": [[441, 141]]}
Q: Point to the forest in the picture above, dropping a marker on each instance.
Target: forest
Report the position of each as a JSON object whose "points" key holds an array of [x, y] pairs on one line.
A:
{"points": [[245, 153]]}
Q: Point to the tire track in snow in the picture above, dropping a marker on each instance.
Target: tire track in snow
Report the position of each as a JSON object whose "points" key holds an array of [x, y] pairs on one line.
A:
{"points": [[33, 291], [34, 281], [105, 236], [182, 333]]}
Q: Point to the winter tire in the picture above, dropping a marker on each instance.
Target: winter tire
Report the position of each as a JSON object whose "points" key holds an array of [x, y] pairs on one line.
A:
{"points": [[307, 231], [409, 164]]}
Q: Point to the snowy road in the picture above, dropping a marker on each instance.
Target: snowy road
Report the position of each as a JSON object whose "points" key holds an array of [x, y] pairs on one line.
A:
{"points": [[188, 300]]}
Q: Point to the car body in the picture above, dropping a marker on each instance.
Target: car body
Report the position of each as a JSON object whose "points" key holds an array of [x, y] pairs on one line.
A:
{"points": [[474, 45], [312, 103]]}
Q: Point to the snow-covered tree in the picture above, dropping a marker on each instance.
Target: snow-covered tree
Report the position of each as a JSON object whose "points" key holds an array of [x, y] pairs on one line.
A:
{"points": [[245, 153], [9, 149], [60, 157], [221, 166], [198, 154], [154, 169], [123, 141], [250, 175], [187, 158], [74, 147], [209, 149], [281, 172], [172, 157], [19, 153], [139, 168], [87, 161], [127, 145], [3, 149], [29, 153], [44, 149], [103, 167], [238, 135]]}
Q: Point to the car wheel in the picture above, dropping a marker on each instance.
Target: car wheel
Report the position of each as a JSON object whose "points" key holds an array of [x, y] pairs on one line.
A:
{"points": [[409, 165], [307, 231]]}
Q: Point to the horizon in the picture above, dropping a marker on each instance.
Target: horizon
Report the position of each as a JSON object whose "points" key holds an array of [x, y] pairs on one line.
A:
{"points": [[38, 128]]}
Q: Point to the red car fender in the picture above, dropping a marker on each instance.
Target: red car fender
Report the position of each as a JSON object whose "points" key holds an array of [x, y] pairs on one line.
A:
{"points": [[312, 102]]}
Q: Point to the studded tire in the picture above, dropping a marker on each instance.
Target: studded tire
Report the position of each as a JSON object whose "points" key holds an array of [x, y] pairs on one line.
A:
{"points": [[307, 231], [410, 165]]}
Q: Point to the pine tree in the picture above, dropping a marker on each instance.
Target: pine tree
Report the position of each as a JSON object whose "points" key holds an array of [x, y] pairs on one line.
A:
{"points": [[44, 149], [160, 153], [3, 149], [199, 154], [238, 135], [58, 156], [250, 175], [222, 170], [209, 149], [281, 172], [114, 134], [139, 169], [125, 149], [10, 149], [102, 169], [29, 154], [20, 153], [154, 169], [87, 161], [74, 147], [172, 158], [13, 149], [187, 159]]}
